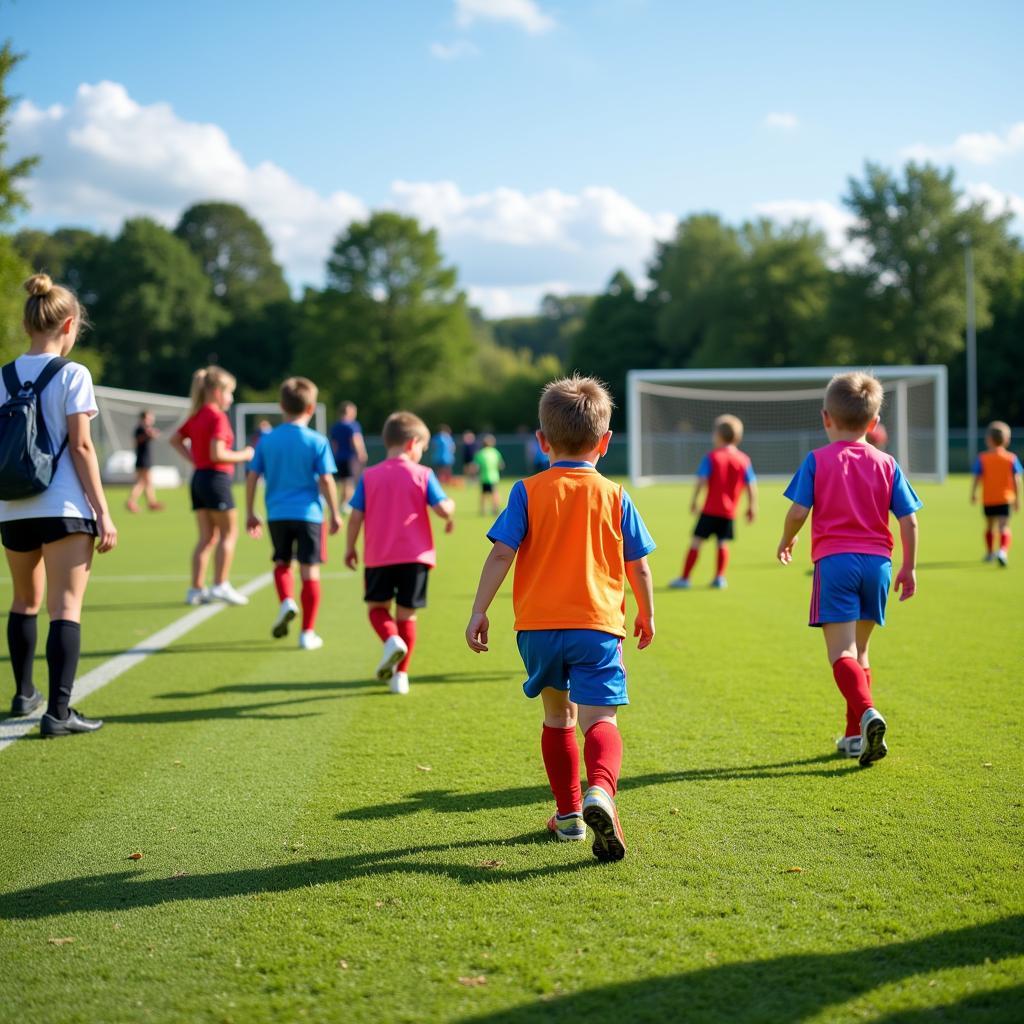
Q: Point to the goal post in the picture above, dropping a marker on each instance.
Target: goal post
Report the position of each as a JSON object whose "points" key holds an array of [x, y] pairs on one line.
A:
{"points": [[248, 415], [671, 413]]}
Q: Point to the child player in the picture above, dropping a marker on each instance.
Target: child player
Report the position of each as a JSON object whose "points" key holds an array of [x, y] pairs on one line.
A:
{"points": [[725, 472], [489, 465], [393, 498], [999, 472], [575, 538], [852, 487], [298, 467]]}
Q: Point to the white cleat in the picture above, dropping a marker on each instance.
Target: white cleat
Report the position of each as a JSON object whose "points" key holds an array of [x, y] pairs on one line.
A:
{"points": [[399, 683], [288, 610], [1001, 558], [309, 641], [849, 746], [394, 651], [227, 593], [196, 596]]}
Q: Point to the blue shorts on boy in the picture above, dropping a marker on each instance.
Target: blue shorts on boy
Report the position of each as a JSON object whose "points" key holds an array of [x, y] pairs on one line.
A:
{"points": [[291, 459], [850, 588], [584, 662]]}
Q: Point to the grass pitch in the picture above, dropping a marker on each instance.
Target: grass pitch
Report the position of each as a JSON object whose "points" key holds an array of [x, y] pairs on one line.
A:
{"points": [[316, 849]]}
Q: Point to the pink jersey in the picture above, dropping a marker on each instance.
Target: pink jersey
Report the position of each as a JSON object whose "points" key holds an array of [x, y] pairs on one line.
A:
{"points": [[395, 503]]}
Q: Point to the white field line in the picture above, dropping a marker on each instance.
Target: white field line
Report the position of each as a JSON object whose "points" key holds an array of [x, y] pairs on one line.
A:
{"points": [[14, 728]]}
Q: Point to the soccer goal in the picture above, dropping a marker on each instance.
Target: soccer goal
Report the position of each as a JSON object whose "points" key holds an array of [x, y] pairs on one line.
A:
{"points": [[671, 414], [251, 416]]}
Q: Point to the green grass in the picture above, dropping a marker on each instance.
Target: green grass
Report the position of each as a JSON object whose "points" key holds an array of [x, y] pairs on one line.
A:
{"points": [[315, 849]]}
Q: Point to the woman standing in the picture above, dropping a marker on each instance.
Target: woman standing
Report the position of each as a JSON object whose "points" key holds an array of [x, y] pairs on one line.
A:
{"points": [[49, 538]]}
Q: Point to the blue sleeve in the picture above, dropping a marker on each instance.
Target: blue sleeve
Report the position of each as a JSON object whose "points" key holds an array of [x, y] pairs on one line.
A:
{"points": [[976, 468], [704, 469], [1017, 469], [636, 539], [435, 492], [256, 465], [358, 500], [801, 487], [511, 526], [750, 477], [904, 500], [325, 463]]}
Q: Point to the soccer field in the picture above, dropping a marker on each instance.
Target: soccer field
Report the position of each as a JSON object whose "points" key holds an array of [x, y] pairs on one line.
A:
{"points": [[316, 849]]}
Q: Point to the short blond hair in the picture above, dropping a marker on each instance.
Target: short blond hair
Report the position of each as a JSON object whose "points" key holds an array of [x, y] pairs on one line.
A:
{"points": [[48, 305], [998, 433], [206, 381], [729, 428], [402, 427], [297, 395], [574, 413], [853, 400]]}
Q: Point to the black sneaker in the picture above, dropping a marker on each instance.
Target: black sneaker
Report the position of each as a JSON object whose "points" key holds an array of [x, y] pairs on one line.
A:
{"points": [[75, 722], [25, 705]]}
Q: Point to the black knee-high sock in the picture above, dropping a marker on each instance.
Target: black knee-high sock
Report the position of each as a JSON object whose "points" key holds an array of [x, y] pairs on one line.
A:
{"points": [[21, 645], [63, 645]]}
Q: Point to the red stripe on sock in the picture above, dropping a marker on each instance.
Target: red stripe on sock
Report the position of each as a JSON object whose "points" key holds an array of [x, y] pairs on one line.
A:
{"points": [[310, 603], [383, 624], [407, 631], [602, 752], [561, 755]]}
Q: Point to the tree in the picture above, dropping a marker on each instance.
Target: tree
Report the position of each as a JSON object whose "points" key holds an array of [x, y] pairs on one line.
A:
{"points": [[549, 333], [57, 253], [11, 197]]}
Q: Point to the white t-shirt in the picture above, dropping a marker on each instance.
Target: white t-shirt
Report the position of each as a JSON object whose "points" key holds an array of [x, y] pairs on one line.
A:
{"points": [[70, 392]]}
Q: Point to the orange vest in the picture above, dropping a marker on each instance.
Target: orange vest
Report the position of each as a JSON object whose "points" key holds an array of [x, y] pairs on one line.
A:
{"points": [[570, 570], [997, 483]]}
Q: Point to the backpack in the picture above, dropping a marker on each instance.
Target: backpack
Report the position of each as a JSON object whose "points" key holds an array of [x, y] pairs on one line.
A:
{"points": [[27, 461]]}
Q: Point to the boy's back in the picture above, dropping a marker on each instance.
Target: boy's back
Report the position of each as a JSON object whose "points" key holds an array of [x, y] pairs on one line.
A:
{"points": [[997, 469], [291, 458], [727, 471]]}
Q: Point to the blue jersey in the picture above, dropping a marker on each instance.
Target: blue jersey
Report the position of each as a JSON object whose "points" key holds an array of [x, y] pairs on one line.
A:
{"points": [[341, 437], [291, 459], [443, 450]]}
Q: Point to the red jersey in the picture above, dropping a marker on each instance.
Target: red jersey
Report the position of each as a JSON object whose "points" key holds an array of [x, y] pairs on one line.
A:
{"points": [[202, 430], [727, 471]]}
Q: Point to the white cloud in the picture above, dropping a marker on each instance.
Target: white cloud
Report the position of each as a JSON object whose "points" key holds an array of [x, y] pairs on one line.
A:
{"points": [[514, 301], [781, 121], [527, 14], [455, 50], [973, 147], [996, 200], [833, 221]]}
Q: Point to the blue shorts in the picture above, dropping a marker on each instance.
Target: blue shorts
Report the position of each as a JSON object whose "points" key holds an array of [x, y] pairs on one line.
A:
{"points": [[585, 662], [848, 588]]}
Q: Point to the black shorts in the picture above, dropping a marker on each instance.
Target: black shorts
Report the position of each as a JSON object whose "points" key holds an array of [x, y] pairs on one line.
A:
{"points": [[487, 488], [295, 538], [405, 583], [713, 526], [31, 534], [343, 473], [997, 511], [211, 489], [144, 461]]}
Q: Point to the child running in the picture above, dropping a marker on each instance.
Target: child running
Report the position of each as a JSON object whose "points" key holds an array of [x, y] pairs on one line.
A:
{"points": [[999, 472], [489, 465], [206, 438], [575, 538], [725, 472], [298, 467], [393, 498], [852, 487], [145, 434]]}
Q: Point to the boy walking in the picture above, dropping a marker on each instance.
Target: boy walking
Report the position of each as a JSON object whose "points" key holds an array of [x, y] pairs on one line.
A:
{"points": [[298, 468], [489, 465], [999, 472], [393, 498], [852, 487], [725, 472], [575, 538]]}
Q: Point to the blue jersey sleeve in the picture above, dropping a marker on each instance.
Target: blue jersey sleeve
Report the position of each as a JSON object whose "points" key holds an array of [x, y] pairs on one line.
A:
{"points": [[256, 465], [750, 477], [1017, 466], [903, 500], [976, 468], [801, 487], [511, 526], [325, 463], [435, 492], [704, 469], [358, 500], [636, 539]]}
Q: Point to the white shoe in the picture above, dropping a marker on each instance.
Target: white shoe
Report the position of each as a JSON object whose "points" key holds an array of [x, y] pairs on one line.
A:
{"points": [[288, 610], [227, 593], [849, 746], [399, 682], [1001, 557], [679, 584], [309, 641], [394, 651], [872, 737], [196, 596], [990, 557]]}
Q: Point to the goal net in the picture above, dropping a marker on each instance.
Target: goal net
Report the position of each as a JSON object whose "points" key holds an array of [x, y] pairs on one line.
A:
{"points": [[672, 412]]}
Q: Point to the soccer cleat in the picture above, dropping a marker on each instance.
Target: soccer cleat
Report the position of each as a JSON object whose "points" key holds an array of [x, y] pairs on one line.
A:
{"points": [[849, 746], [599, 813], [568, 828], [719, 583], [394, 651], [872, 737], [131, 506], [196, 596], [51, 727], [309, 641], [227, 593], [679, 584], [1001, 558], [399, 683], [990, 557], [22, 705], [288, 610]]}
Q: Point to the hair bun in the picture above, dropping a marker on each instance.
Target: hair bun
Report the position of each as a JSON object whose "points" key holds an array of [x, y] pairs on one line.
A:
{"points": [[39, 284]]}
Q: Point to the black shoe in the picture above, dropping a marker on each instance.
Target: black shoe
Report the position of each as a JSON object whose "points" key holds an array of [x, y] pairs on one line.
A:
{"points": [[75, 722], [25, 705]]}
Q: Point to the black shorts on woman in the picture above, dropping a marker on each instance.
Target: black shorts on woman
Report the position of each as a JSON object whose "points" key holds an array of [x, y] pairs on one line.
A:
{"points": [[25, 535], [211, 489]]}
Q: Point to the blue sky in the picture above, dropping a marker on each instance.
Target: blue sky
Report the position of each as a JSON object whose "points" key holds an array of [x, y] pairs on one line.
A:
{"points": [[549, 142]]}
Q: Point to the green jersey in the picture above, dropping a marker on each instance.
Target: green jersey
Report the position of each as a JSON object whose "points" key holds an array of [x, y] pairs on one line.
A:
{"points": [[490, 462]]}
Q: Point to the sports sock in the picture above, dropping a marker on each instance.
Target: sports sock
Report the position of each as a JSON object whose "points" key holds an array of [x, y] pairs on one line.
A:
{"points": [[1004, 540], [63, 646], [310, 603], [989, 538], [691, 561], [380, 619], [602, 752], [21, 644], [283, 581], [852, 721], [853, 685], [561, 756], [407, 631], [723, 559]]}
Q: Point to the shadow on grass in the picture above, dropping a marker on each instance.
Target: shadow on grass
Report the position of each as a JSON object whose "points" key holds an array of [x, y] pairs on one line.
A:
{"points": [[794, 988], [120, 890], [131, 606], [447, 801], [210, 714], [199, 647]]}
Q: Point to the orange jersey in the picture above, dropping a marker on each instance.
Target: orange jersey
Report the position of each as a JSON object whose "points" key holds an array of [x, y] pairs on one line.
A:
{"points": [[997, 469]]}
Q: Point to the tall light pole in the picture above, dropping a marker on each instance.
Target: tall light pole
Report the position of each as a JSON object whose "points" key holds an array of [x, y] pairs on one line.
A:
{"points": [[972, 359]]}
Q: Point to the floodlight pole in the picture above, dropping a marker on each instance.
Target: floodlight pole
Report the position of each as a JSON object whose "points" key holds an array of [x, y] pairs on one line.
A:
{"points": [[972, 358]]}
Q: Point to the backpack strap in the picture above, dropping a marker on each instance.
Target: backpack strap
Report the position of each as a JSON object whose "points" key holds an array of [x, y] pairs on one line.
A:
{"points": [[52, 368], [11, 382]]}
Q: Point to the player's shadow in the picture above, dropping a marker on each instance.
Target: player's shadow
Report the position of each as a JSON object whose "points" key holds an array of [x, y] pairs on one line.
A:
{"points": [[262, 710], [798, 986]]}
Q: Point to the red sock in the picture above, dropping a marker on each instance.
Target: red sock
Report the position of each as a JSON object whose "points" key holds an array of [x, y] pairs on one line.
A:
{"points": [[723, 558], [602, 752], [852, 721], [283, 581], [407, 631], [310, 603], [989, 538], [380, 619], [561, 756], [691, 561], [1004, 541], [853, 685]]}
